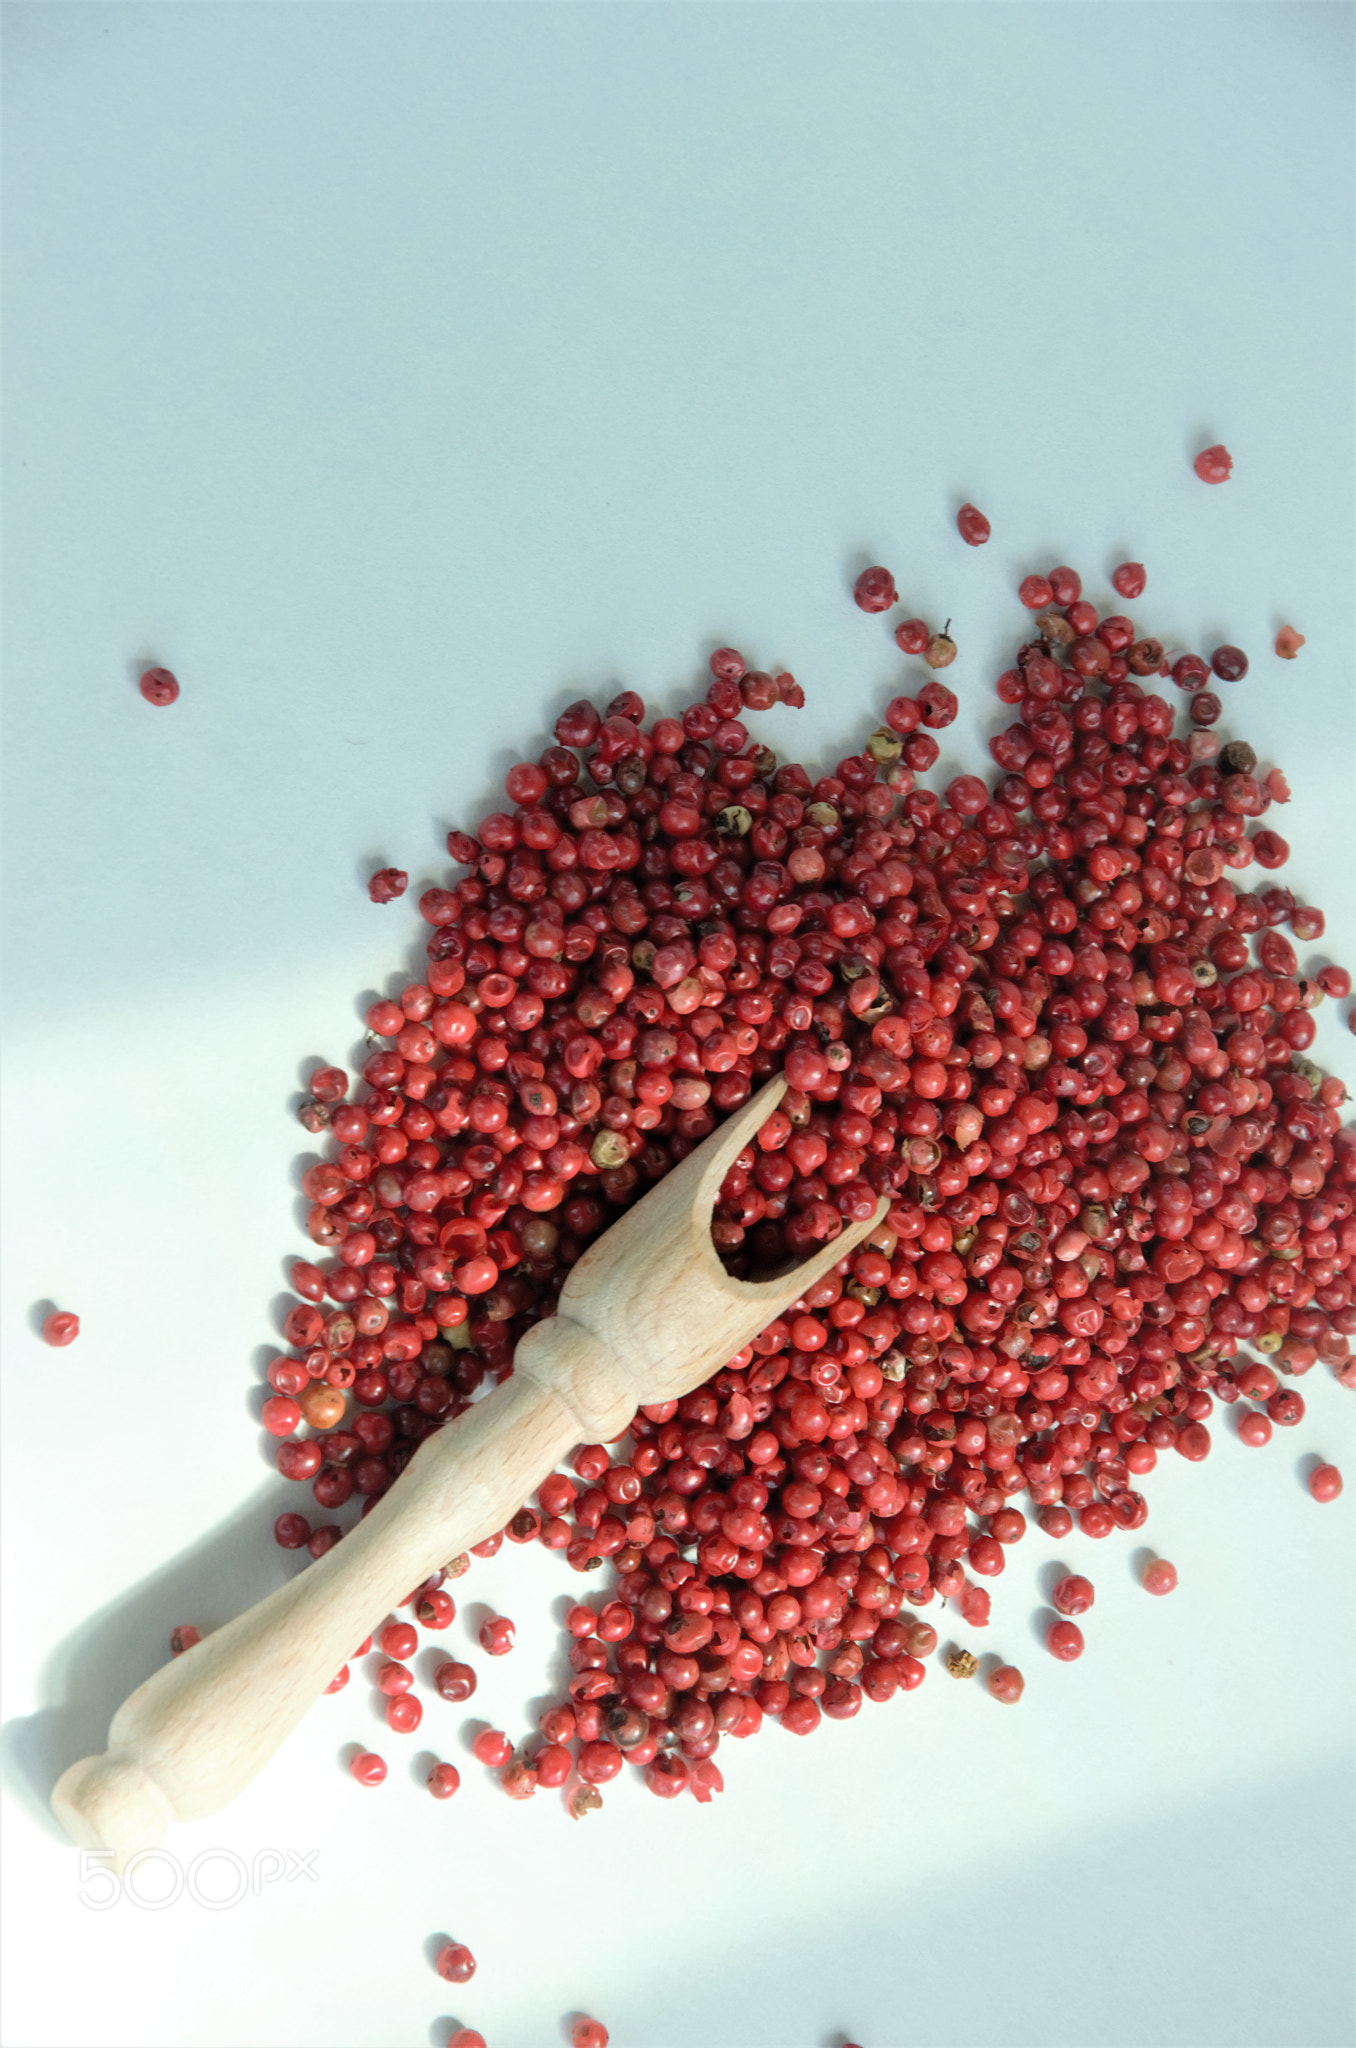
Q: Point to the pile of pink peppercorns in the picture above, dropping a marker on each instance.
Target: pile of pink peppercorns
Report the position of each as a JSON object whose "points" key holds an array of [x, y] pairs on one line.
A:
{"points": [[1043, 1016], [1028, 1013]]}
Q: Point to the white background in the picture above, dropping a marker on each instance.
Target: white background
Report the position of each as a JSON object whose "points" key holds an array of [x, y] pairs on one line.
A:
{"points": [[395, 374]]}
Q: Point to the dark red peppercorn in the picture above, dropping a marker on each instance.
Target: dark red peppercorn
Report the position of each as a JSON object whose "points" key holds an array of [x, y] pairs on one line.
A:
{"points": [[973, 526], [874, 590], [388, 883], [159, 686]]}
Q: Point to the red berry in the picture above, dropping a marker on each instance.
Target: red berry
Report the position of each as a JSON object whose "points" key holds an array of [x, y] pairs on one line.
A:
{"points": [[586, 2033], [454, 1681], [443, 1780], [974, 527], [455, 1963], [1254, 1429], [912, 637], [1037, 596], [1325, 1482], [388, 883], [394, 1678], [875, 590], [1129, 579], [492, 1747], [398, 1640], [61, 1327], [1159, 1576], [1073, 1595], [280, 1417], [1064, 1639], [368, 1768], [1006, 1684], [159, 686], [496, 1635], [183, 1638], [466, 2037], [1214, 465], [403, 1713]]}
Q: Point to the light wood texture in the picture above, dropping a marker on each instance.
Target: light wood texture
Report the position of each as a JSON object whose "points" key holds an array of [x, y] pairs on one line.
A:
{"points": [[648, 1313]]}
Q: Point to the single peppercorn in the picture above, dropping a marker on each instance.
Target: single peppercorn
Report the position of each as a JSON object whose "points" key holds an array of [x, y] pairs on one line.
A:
{"points": [[1064, 1640], [1214, 465], [1229, 663], [388, 883], [455, 1963], [1288, 643], [443, 1780], [496, 1635], [912, 636], [159, 686], [60, 1328], [1007, 1684], [974, 528], [1128, 579], [874, 590], [368, 1768]]}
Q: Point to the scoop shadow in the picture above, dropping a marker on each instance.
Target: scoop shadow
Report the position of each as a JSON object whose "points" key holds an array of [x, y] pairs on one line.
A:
{"points": [[86, 1678]]}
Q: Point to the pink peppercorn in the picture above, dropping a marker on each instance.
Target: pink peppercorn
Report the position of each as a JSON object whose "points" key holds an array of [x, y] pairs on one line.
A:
{"points": [[875, 590], [1035, 593], [1288, 643], [388, 883], [368, 1768], [443, 1780], [1214, 465], [1064, 1640], [973, 526], [398, 1640], [496, 1635], [60, 1328], [1325, 1482], [1128, 579], [159, 686], [1159, 1576], [455, 1963]]}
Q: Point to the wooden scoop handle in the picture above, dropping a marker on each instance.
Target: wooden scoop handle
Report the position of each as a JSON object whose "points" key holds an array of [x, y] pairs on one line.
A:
{"points": [[192, 1737]]}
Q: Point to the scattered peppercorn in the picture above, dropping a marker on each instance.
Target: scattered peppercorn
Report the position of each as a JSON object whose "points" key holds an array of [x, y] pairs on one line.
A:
{"points": [[388, 883], [974, 527], [159, 686], [1214, 465]]}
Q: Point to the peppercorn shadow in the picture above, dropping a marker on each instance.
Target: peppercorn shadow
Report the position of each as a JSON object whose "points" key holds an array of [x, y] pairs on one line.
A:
{"points": [[86, 1678], [38, 1314]]}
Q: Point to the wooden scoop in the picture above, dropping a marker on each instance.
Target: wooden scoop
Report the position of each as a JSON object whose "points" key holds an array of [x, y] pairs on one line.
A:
{"points": [[647, 1314]]}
